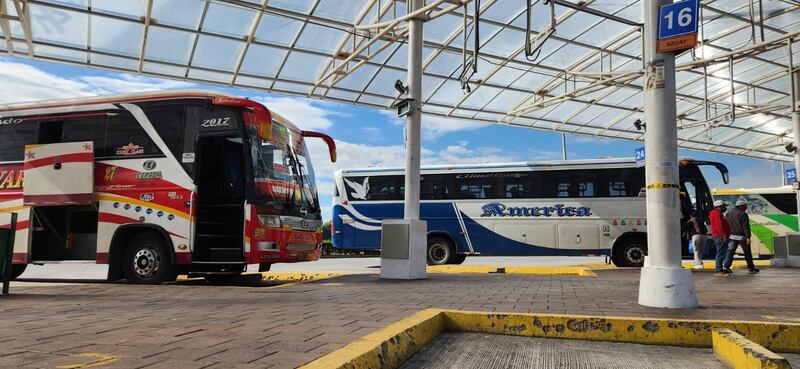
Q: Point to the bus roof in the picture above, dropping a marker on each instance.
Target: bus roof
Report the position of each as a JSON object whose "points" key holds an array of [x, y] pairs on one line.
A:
{"points": [[93, 100], [744, 191], [54, 106], [525, 165]]}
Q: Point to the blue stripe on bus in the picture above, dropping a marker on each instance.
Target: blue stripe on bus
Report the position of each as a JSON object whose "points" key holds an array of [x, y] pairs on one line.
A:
{"points": [[441, 217]]}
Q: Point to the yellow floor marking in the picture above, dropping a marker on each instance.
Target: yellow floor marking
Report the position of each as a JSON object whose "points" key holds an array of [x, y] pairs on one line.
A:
{"points": [[533, 270], [99, 359]]}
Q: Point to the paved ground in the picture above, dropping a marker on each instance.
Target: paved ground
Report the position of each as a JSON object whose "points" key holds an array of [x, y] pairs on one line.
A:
{"points": [[350, 265], [193, 325], [486, 351]]}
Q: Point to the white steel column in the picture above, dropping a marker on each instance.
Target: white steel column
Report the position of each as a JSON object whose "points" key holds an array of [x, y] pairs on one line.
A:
{"points": [[411, 261], [663, 282], [414, 118]]}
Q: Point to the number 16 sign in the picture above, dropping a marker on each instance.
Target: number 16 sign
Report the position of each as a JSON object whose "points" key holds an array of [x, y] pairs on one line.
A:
{"points": [[677, 26]]}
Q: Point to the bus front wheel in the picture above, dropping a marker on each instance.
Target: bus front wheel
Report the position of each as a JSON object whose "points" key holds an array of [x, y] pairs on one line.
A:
{"points": [[17, 270], [147, 260], [440, 251], [630, 252]]}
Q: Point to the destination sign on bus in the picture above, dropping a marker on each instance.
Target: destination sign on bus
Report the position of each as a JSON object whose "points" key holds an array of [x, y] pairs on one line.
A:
{"points": [[559, 210]]}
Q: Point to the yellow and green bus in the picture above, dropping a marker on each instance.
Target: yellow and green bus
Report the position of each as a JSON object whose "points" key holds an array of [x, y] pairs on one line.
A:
{"points": [[773, 212]]}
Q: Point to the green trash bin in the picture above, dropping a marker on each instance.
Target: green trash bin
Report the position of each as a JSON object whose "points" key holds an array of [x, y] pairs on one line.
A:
{"points": [[7, 251]]}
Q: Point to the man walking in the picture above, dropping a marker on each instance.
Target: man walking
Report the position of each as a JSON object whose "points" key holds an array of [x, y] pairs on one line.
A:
{"points": [[720, 231], [739, 223]]}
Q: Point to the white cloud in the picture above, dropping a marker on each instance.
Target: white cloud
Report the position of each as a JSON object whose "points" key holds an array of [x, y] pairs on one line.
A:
{"points": [[305, 113], [764, 174], [26, 83], [436, 126], [23, 82], [129, 84]]}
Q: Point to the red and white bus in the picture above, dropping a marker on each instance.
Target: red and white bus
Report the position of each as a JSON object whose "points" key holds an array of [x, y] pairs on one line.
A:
{"points": [[158, 184]]}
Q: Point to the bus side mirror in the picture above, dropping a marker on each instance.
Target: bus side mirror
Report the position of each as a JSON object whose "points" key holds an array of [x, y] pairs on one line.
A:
{"points": [[328, 140]]}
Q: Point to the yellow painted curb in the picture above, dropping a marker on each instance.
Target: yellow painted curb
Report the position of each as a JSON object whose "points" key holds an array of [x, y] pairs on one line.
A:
{"points": [[783, 337], [391, 346], [741, 353], [388, 347], [483, 269]]}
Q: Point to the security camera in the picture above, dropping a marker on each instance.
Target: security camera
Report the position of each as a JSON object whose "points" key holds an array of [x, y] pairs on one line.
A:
{"points": [[791, 148], [639, 125], [400, 87]]}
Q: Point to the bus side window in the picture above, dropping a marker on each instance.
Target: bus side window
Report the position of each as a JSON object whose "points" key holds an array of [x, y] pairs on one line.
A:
{"points": [[432, 187], [86, 129], [168, 121], [14, 138]]}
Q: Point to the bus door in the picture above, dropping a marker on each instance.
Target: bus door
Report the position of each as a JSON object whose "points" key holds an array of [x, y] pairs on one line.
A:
{"points": [[220, 177]]}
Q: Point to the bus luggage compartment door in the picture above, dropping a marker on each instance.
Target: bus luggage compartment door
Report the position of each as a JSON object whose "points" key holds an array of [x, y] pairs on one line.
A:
{"points": [[576, 239], [59, 174]]}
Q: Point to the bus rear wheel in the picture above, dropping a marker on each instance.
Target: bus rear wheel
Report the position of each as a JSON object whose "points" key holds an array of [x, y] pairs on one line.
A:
{"points": [[440, 251], [147, 260], [631, 252]]}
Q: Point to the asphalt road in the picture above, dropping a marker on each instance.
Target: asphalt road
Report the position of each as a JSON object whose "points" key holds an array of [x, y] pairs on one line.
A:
{"points": [[352, 265]]}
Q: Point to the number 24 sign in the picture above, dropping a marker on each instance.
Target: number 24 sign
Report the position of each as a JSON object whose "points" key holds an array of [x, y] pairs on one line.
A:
{"points": [[677, 26]]}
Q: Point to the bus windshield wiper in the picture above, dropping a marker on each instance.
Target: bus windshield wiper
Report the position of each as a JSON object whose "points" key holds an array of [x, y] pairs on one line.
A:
{"points": [[294, 163]]}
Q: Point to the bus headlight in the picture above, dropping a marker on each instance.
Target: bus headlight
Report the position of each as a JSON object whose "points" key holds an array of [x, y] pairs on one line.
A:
{"points": [[270, 220]]}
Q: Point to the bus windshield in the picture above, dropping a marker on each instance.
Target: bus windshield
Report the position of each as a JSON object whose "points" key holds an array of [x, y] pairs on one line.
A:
{"points": [[282, 169]]}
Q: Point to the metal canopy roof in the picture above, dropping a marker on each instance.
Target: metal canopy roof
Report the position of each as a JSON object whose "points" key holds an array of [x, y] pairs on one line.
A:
{"points": [[585, 79]]}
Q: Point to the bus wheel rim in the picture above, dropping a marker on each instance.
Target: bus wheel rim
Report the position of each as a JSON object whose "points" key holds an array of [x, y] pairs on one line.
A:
{"points": [[438, 252], [146, 262], [635, 254]]}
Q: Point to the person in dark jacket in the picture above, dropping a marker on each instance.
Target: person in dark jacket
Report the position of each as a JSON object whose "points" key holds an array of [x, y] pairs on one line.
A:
{"points": [[739, 222], [697, 232], [720, 231]]}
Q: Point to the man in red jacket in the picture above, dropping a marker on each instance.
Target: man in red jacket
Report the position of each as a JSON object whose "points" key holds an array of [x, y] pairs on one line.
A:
{"points": [[720, 232]]}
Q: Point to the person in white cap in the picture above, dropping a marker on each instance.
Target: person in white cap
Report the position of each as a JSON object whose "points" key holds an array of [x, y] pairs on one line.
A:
{"points": [[739, 222], [720, 231]]}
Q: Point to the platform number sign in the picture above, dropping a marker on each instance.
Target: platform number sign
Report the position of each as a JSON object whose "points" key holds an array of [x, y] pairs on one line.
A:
{"points": [[677, 26], [791, 175], [639, 155]]}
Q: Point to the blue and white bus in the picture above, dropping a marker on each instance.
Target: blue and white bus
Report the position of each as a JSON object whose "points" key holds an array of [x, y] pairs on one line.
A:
{"points": [[578, 207]]}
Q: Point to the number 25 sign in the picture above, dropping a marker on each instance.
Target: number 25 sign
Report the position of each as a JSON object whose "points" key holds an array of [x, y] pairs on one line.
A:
{"points": [[677, 26]]}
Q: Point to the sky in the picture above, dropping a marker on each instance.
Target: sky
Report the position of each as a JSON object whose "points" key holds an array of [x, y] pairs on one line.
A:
{"points": [[365, 136]]}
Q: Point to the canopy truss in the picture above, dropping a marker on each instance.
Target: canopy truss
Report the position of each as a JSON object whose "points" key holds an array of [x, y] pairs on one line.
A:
{"points": [[585, 78]]}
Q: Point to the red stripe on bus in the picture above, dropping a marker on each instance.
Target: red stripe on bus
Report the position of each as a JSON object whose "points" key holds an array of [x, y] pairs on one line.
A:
{"points": [[120, 219], [101, 258], [65, 199], [19, 258], [80, 157], [21, 225]]}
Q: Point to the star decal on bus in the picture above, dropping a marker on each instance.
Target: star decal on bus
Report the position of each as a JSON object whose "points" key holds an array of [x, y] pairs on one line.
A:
{"points": [[29, 155]]}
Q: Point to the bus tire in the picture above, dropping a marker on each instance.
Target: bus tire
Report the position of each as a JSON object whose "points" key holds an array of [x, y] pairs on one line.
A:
{"points": [[147, 261], [441, 251], [459, 259], [630, 252], [17, 270]]}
